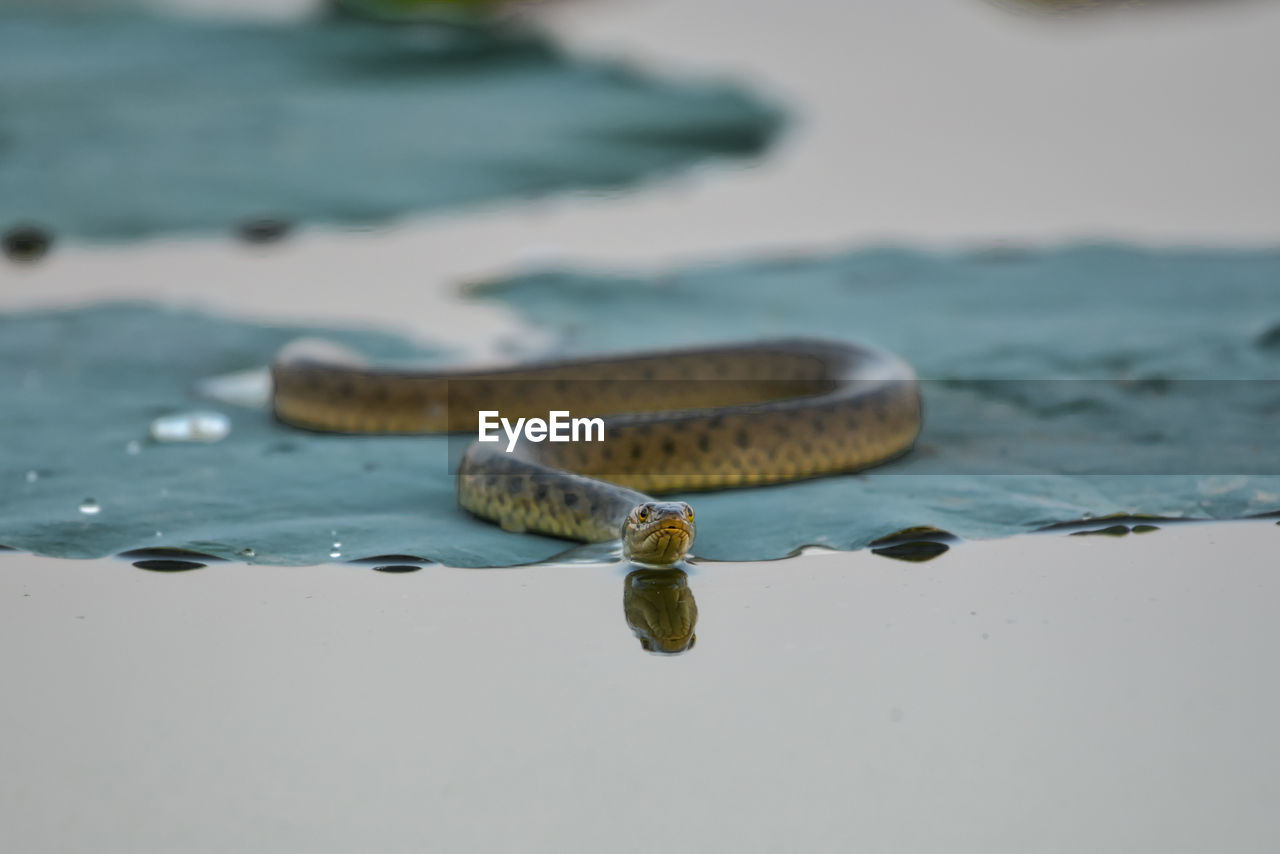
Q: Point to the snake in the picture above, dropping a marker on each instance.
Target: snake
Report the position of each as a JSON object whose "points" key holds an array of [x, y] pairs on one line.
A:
{"points": [[673, 421]]}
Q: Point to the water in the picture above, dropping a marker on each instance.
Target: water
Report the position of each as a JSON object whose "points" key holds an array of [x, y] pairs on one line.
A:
{"points": [[875, 663], [89, 507]]}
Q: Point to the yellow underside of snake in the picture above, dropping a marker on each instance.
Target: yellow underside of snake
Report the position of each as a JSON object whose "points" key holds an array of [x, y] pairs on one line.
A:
{"points": [[674, 421]]}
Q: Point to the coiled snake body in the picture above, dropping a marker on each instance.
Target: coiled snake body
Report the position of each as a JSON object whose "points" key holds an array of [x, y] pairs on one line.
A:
{"points": [[676, 420]]}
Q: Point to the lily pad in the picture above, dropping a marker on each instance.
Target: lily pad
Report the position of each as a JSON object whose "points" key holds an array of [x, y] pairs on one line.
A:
{"points": [[120, 124], [1124, 329]]}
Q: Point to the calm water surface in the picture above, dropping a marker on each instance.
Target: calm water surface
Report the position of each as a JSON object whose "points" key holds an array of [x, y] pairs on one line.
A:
{"points": [[1042, 693]]}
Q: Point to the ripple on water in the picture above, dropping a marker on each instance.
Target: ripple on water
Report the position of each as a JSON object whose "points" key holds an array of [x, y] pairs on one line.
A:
{"points": [[1109, 531], [89, 507], [165, 553], [168, 565], [917, 551], [392, 562], [917, 544]]}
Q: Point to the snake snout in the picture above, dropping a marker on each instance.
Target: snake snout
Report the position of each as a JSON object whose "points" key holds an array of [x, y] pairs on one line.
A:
{"points": [[658, 532]]}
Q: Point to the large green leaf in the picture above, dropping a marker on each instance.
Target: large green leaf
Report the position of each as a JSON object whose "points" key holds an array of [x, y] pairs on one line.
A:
{"points": [[1157, 372], [118, 124]]}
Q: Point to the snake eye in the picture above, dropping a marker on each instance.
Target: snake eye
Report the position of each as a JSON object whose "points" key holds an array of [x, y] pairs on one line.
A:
{"points": [[642, 513], [688, 512]]}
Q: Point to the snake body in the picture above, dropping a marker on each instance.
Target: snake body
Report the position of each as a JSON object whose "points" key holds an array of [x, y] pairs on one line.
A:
{"points": [[674, 421]]}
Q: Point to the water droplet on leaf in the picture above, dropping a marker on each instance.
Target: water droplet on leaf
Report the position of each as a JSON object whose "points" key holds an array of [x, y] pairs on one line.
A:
{"points": [[191, 427]]}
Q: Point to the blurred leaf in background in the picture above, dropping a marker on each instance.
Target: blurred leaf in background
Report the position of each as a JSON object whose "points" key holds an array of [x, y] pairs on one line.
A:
{"points": [[120, 124], [417, 10], [1087, 5]]}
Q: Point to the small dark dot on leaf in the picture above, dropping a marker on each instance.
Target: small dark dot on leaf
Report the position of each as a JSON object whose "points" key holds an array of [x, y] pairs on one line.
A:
{"points": [[26, 243], [263, 230]]}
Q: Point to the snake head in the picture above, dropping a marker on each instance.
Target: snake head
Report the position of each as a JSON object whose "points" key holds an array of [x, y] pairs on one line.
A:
{"points": [[658, 533]]}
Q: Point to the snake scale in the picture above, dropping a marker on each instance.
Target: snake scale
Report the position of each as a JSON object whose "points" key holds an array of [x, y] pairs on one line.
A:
{"points": [[674, 421]]}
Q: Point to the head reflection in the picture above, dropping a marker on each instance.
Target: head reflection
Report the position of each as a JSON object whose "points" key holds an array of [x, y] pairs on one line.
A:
{"points": [[660, 609]]}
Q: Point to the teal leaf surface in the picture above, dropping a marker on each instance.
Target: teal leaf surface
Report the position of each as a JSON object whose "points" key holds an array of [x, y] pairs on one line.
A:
{"points": [[1058, 385], [119, 124]]}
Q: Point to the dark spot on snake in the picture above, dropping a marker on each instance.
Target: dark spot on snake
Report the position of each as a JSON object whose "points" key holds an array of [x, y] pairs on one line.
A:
{"points": [[570, 499], [540, 493], [668, 446], [491, 480], [515, 484], [344, 388], [606, 453], [715, 421], [704, 442], [637, 451], [743, 439], [818, 425]]}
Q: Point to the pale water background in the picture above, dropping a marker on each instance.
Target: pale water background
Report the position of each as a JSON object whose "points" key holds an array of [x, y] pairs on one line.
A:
{"points": [[1119, 701], [1040, 693]]}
